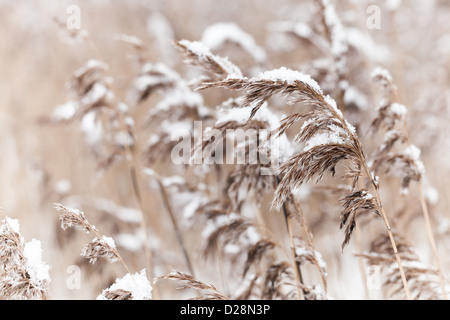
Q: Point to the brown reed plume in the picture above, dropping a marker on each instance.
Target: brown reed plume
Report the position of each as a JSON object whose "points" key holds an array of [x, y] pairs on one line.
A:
{"points": [[405, 163], [423, 281], [207, 291], [92, 99], [100, 247], [235, 117], [162, 167], [258, 247], [25, 276], [333, 31], [196, 53], [178, 109], [328, 137], [130, 287]]}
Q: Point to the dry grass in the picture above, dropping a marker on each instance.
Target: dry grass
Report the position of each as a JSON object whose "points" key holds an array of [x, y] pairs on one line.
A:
{"points": [[348, 125]]}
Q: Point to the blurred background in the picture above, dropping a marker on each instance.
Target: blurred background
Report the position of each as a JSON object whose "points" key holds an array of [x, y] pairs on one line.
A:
{"points": [[42, 163]]}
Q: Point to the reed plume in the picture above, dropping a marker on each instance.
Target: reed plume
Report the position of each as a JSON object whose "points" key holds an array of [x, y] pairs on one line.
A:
{"points": [[328, 140], [405, 163], [423, 281], [25, 276]]}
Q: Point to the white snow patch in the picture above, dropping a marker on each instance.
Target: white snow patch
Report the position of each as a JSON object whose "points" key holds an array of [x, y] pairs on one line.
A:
{"points": [[290, 76], [218, 34], [133, 40], [91, 64], [131, 242], [65, 111], [63, 186], [128, 214], [138, 284], [324, 138], [109, 241], [92, 128], [203, 52], [10, 225], [382, 73], [353, 95], [123, 138], [431, 194], [414, 153], [339, 44], [36, 268], [398, 109], [393, 5], [178, 98]]}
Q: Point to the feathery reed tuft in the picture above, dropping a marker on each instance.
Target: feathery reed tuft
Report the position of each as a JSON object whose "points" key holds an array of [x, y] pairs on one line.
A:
{"points": [[25, 276]]}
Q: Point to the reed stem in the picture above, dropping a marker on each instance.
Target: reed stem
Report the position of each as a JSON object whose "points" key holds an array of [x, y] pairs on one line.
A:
{"points": [[389, 230], [431, 238]]}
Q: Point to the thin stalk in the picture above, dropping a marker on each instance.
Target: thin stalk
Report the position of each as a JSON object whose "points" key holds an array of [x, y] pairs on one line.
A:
{"points": [[297, 269], [425, 212], [222, 274], [360, 262], [169, 209], [431, 238], [366, 170], [121, 260], [309, 240], [389, 230], [397, 255], [100, 236], [130, 160], [265, 230], [137, 193], [132, 171]]}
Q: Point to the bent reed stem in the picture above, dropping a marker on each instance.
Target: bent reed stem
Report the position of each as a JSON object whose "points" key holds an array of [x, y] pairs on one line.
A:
{"points": [[296, 264], [431, 238], [389, 230]]}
